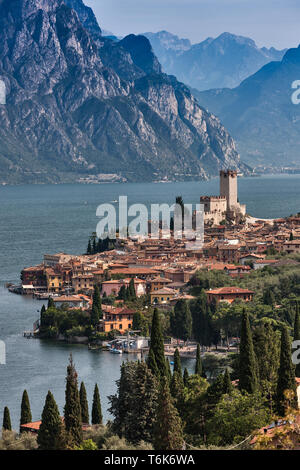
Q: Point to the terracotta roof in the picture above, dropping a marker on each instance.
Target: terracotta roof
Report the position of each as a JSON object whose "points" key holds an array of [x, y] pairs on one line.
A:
{"points": [[229, 290]]}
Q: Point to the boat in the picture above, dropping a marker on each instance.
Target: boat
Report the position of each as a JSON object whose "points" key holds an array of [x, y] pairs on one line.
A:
{"points": [[115, 351]]}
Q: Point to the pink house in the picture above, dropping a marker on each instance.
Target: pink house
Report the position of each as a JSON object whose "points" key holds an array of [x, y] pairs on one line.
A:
{"points": [[113, 287]]}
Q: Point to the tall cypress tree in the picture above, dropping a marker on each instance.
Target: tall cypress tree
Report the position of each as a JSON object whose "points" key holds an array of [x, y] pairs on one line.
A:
{"points": [[297, 336], [185, 377], [6, 426], [198, 366], [89, 248], [182, 321], [84, 404], [96, 410], [96, 313], [177, 362], [248, 380], [286, 374], [26, 416], [168, 433], [131, 290], [51, 435], [157, 345], [168, 368], [72, 410], [227, 385]]}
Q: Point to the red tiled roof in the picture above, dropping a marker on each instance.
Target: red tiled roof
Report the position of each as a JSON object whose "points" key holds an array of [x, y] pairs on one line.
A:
{"points": [[229, 290]]}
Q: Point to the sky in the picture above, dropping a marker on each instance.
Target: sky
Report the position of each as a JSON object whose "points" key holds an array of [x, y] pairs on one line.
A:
{"points": [[268, 22]]}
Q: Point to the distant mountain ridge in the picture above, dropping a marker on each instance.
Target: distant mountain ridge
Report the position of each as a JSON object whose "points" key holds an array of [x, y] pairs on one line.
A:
{"points": [[222, 62], [79, 104], [260, 113]]}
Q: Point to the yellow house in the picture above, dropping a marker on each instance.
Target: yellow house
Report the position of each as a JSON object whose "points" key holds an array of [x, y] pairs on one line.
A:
{"points": [[159, 283], [163, 296], [55, 281]]}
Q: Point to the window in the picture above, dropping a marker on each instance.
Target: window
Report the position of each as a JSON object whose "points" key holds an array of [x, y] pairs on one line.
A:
{"points": [[111, 327], [120, 326], [129, 325]]}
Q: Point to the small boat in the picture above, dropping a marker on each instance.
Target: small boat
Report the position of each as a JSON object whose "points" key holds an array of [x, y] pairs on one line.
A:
{"points": [[115, 351]]}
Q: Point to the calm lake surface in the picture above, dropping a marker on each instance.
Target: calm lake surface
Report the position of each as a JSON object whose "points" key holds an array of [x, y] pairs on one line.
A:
{"points": [[42, 219]]}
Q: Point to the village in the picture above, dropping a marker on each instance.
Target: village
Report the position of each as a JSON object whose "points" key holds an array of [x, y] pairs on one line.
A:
{"points": [[161, 270]]}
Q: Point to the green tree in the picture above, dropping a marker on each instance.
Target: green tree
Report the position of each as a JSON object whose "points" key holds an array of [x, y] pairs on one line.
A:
{"points": [[6, 426], [96, 313], [185, 377], [227, 385], [89, 248], [84, 404], [198, 366], [248, 380], [168, 433], [72, 410], [201, 320], [157, 347], [135, 403], [182, 321], [51, 303], [297, 336], [51, 435], [286, 374], [177, 362], [122, 293], [96, 410], [26, 416], [131, 290]]}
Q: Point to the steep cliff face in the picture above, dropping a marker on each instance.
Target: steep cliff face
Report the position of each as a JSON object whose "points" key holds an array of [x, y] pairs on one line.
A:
{"points": [[79, 104]]}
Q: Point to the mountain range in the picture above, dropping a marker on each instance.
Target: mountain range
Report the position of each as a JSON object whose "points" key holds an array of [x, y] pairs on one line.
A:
{"points": [[222, 62], [260, 113], [79, 104]]}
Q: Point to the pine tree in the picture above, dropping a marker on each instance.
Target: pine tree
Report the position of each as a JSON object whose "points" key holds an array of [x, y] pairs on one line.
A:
{"points": [[168, 433], [50, 434], [96, 410], [297, 336], [96, 313], [185, 377], [177, 362], [157, 345], [84, 404], [248, 380], [198, 366], [227, 385], [286, 374], [72, 410], [26, 416], [6, 426]]}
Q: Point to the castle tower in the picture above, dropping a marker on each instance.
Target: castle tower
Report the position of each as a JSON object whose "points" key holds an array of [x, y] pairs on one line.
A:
{"points": [[228, 188]]}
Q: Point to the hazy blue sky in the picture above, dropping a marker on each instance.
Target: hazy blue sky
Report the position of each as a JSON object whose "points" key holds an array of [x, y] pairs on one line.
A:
{"points": [[268, 22]]}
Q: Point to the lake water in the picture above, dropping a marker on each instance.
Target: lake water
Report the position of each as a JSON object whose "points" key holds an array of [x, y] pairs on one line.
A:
{"points": [[50, 218]]}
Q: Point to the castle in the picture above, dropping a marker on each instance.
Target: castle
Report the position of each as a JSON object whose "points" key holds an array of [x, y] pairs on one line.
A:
{"points": [[226, 206]]}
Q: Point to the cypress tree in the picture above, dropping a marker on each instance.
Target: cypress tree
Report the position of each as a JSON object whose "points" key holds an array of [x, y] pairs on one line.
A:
{"points": [[168, 433], [169, 373], [6, 426], [157, 345], [297, 336], [51, 435], [286, 374], [96, 410], [84, 404], [50, 303], [72, 410], [122, 293], [89, 248], [26, 416], [176, 389], [248, 380], [227, 385], [151, 363], [96, 313], [131, 290], [185, 377], [182, 321], [198, 366], [177, 362]]}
